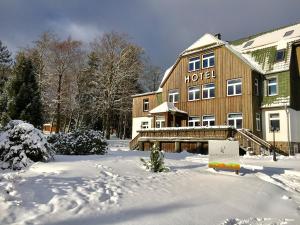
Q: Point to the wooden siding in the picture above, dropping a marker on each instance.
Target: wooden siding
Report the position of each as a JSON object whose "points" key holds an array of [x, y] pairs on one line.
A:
{"points": [[137, 106], [227, 66]]}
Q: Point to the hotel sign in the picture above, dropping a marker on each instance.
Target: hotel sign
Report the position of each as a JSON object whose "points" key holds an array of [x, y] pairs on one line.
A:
{"points": [[195, 77], [224, 154]]}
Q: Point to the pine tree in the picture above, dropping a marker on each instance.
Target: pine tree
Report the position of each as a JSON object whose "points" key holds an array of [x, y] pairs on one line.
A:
{"points": [[24, 101]]}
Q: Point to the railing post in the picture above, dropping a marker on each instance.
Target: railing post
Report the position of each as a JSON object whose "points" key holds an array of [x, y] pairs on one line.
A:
{"points": [[177, 146]]}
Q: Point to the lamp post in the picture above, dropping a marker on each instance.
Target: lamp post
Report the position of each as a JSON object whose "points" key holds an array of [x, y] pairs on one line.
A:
{"points": [[274, 129]]}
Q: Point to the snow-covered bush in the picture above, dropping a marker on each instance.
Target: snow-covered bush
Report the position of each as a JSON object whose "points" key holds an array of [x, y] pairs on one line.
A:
{"points": [[156, 162], [21, 144], [79, 143]]}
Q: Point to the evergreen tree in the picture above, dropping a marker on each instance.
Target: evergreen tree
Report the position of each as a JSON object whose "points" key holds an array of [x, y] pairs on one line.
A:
{"points": [[24, 101]]}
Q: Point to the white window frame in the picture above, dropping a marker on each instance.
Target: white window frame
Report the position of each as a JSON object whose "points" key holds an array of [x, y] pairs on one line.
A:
{"points": [[145, 102], [172, 94], [258, 121], [193, 90], [193, 61], [235, 119], [256, 87], [211, 118], [194, 120], [208, 89], [145, 124], [234, 87], [274, 118], [208, 58], [161, 121], [274, 84]]}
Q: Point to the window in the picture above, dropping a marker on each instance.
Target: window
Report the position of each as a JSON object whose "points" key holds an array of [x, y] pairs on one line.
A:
{"points": [[145, 125], [258, 123], [272, 86], [173, 96], [248, 44], [235, 120], [146, 105], [256, 87], [194, 121], [280, 55], [208, 60], [194, 93], [274, 122], [160, 122], [194, 64], [234, 87], [208, 121], [208, 91], [288, 33]]}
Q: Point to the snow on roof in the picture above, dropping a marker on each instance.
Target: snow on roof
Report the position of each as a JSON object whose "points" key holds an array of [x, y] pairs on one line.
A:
{"points": [[204, 41], [272, 38], [166, 74], [166, 107]]}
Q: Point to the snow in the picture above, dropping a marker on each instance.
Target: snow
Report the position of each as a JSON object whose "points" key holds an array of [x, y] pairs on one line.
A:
{"points": [[115, 189], [166, 107], [204, 41]]}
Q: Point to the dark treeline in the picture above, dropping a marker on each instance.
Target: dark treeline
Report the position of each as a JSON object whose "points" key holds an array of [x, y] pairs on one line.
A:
{"points": [[62, 83]]}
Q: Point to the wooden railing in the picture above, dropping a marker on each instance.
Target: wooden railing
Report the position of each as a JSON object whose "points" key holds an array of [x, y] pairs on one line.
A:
{"points": [[134, 142], [248, 143]]}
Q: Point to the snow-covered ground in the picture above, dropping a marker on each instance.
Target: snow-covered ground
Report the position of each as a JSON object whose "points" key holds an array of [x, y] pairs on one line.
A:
{"points": [[115, 189]]}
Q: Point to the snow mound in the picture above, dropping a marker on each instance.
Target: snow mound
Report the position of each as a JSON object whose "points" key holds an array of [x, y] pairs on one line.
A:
{"points": [[257, 221], [22, 144]]}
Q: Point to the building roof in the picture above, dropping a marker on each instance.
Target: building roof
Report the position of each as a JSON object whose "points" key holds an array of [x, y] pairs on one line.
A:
{"points": [[166, 107]]}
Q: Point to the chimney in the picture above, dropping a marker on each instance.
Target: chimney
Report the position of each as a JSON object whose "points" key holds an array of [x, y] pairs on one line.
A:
{"points": [[218, 35]]}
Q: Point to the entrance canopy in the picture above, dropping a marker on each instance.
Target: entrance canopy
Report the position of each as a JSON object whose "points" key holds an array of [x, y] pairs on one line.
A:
{"points": [[166, 107]]}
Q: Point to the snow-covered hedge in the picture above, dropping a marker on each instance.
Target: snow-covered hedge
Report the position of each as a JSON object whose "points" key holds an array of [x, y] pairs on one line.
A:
{"points": [[79, 143], [21, 144]]}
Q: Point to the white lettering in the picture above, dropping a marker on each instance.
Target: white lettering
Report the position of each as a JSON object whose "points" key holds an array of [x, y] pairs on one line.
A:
{"points": [[213, 75], [207, 75], [195, 77], [187, 79]]}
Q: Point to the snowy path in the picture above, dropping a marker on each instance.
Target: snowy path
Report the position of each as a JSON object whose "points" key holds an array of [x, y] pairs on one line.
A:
{"points": [[115, 189]]}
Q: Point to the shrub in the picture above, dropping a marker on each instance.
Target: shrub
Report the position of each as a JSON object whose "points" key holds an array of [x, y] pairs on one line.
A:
{"points": [[156, 162], [79, 143], [21, 143]]}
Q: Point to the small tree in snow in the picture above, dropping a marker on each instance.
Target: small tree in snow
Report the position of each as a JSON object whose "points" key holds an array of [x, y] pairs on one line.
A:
{"points": [[156, 162]]}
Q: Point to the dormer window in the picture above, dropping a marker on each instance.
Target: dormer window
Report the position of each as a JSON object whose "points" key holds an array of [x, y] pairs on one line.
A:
{"points": [[194, 64], [208, 60], [248, 44], [280, 55], [288, 33]]}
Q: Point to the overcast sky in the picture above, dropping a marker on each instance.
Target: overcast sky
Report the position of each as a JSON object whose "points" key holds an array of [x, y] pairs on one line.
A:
{"points": [[163, 28]]}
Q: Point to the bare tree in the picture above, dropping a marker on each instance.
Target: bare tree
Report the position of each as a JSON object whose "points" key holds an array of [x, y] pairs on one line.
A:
{"points": [[151, 78]]}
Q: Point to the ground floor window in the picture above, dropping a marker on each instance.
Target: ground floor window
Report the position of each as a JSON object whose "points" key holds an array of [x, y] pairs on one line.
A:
{"points": [[194, 121], [274, 122], [208, 121], [235, 120], [258, 123], [145, 125], [160, 122]]}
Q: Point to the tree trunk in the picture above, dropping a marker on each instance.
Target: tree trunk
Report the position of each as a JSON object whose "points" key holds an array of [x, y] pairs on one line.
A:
{"points": [[58, 103], [70, 121], [107, 125]]}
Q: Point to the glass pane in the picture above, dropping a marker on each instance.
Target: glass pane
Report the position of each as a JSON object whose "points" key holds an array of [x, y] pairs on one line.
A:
{"points": [[170, 98], [212, 123], [191, 96], [191, 66], [212, 93], [231, 122], [197, 94], [280, 55], [272, 90], [238, 89], [235, 115], [230, 90], [163, 124], [272, 81], [197, 65], [205, 63], [275, 124], [176, 97], [212, 61], [239, 123], [234, 81], [274, 115], [197, 124], [205, 94], [208, 55]]}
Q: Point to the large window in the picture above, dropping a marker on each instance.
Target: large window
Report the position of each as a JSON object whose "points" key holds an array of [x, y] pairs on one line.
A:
{"points": [[256, 87], [274, 122], [194, 64], [235, 120], [258, 121], [272, 86], [208, 121], [194, 121], [160, 122], [234, 87], [194, 93], [146, 105], [145, 125], [174, 96], [208, 60], [208, 91]]}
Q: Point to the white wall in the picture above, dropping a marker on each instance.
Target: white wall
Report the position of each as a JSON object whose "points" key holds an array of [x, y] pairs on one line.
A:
{"points": [[282, 135], [137, 122]]}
